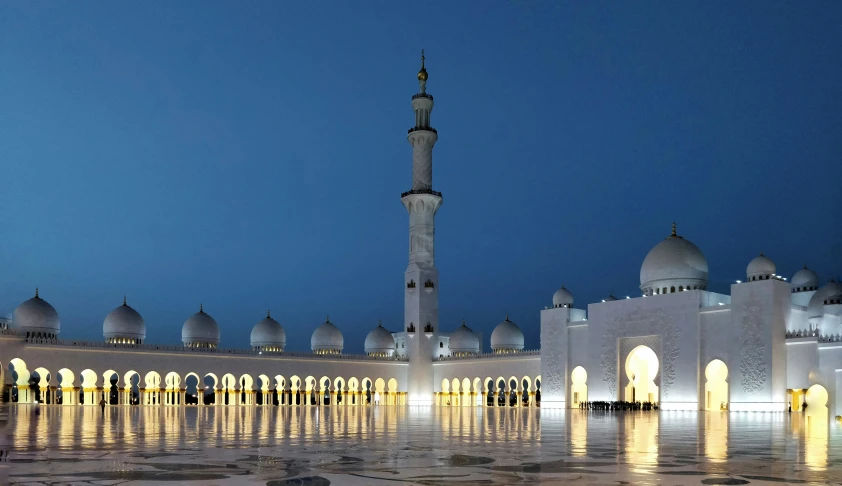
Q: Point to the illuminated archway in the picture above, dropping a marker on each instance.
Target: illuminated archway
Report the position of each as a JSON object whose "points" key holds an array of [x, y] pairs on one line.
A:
{"points": [[465, 399], [716, 386], [579, 387], [353, 391], [66, 379], [41, 385], [816, 412], [642, 368], [89, 391], [816, 416], [21, 392]]}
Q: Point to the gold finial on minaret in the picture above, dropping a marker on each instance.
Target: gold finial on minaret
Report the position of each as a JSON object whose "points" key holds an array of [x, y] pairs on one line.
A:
{"points": [[422, 75], [36, 293]]}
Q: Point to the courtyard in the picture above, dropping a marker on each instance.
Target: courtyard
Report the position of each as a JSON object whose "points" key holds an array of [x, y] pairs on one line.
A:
{"points": [[310, 445]]}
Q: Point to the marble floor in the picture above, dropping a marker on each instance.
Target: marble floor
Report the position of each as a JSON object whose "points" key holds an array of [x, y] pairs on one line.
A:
{"points": [[409, 445]]}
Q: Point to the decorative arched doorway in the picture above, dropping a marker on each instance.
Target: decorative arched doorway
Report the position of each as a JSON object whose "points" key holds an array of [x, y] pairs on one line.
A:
{"points": [[579, 387], [641, 368], [816, 399], [716, 386]]}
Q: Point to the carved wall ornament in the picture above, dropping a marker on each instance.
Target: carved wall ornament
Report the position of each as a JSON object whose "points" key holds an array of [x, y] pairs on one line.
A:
{"points": [[636, 324], [752, 362], [553, 376]]}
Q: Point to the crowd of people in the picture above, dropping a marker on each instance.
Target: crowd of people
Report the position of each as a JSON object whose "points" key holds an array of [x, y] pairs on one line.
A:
{"points": [[618, 405]]}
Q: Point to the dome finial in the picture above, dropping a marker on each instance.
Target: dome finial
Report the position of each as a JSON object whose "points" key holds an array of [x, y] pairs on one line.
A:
{"points": [[269, 313], [36, 293], [379, 323], [327, 318], [673, 229], [124, 300], [507, 316], [422, 74], [201, 308]]}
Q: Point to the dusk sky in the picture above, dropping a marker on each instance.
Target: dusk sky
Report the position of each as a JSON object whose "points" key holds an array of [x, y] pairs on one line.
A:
{"points": [[251, 155]]}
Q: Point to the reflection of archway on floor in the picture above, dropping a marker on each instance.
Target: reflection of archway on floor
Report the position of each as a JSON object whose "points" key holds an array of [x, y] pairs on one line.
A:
{"points": [[641, 368], [579, 387], [716, 385]]}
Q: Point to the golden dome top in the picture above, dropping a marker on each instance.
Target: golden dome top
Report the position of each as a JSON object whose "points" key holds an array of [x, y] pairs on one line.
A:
{"points": [[422, 74]]}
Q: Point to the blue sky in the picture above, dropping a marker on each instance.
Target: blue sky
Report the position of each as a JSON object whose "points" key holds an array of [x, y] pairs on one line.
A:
{"points": [[251, 156]]}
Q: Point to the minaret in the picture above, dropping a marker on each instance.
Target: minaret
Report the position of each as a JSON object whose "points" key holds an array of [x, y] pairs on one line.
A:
{"points": [[421, 302]]}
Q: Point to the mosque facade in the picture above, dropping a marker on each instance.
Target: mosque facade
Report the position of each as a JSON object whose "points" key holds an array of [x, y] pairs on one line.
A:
{"points": [[771, 345]]}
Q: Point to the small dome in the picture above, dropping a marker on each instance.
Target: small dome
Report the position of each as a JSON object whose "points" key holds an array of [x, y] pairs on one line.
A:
{"points": [[464, 341], [673, 263], [815, 308], [124, 323], [562, 298], [36, 315], [327, 339], [268, 333], [805, 279], [507, 337], [380, 342], [760, 268], [200, 331]]}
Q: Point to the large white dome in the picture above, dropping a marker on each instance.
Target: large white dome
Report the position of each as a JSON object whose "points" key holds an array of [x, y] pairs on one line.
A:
{"points": [[506, 337], [816, 306], [327, 339], [805, 279], [36, 315], [562, 298], [760, 268], [380, 342], [124, 323], [464, 341], [200, 330], [269, 334], [674, 264]]}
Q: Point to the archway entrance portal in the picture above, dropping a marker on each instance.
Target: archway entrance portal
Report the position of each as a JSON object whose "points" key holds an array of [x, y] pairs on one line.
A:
{"points": [[816, 412], [642, 368], [716, 386], [579, 389]]}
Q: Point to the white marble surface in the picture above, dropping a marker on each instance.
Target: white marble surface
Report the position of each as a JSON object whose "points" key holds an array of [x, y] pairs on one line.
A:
{"points": [[405, 445]]}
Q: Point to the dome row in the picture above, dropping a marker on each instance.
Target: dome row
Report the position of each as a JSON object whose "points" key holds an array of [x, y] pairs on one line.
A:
{"points": [[124, 325]]}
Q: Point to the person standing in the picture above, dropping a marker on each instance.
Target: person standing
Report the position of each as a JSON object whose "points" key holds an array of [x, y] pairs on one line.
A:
{"points": [[102, 404]]}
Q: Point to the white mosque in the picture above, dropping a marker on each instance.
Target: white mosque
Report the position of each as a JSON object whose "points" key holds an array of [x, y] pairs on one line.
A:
{"points": [[771, 344]]}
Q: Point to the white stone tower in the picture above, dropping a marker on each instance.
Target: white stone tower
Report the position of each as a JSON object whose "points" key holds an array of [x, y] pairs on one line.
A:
{"points": [[421, 302]]}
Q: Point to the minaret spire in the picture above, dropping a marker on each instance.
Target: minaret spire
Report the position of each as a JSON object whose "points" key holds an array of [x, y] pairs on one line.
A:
{"points": [[422, 75]]}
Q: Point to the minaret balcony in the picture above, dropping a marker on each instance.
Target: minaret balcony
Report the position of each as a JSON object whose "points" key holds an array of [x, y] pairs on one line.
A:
{"points": [[418, 129], [421, 191], [422, 95]]}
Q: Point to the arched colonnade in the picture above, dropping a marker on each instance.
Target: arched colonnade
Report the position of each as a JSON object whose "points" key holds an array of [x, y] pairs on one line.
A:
{"points": [[132, 387], [524, 391]]}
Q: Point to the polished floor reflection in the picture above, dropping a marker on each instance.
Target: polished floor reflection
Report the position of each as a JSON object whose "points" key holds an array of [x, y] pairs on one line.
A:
{"points": [[410, 445]]}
